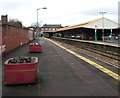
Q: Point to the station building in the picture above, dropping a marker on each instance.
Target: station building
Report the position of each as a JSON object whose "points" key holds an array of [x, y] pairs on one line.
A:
{"points": [[48, 29], [101, 29]]}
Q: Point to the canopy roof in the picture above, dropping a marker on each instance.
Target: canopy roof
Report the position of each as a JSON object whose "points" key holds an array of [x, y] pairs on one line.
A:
{"points": [[94, 24]]}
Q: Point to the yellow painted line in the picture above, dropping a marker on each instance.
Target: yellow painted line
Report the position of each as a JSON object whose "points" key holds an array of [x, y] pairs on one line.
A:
{"points": [[103, 69], [21, 70]]}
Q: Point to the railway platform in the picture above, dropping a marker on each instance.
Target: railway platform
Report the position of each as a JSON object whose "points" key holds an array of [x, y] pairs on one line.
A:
{"points": [[64, 71], [106, 46]]}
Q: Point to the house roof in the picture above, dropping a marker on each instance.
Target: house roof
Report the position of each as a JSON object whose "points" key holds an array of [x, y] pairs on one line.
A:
{"points": [[52, 25], [96, 23]]}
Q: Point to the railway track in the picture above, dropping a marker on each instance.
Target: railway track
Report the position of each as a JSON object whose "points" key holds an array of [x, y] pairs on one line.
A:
{"points": [[104, 56], [114, 56]]}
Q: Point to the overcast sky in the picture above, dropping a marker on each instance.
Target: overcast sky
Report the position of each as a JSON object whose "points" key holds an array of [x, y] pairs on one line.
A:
{"points": [[65, 12]]}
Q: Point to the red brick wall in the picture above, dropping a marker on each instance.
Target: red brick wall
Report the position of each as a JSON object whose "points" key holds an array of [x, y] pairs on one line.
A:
{"points": [[0, 35], [12, 37]]}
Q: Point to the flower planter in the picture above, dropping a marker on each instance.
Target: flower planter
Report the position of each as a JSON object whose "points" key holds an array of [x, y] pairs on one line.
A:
{"points": [[20, 70], [35, 47]]}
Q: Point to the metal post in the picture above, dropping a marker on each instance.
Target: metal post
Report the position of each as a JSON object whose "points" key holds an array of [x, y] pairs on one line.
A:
{"points": [[37, 26], [37, 32], [95, 34], [102, 24], [111, 35]]}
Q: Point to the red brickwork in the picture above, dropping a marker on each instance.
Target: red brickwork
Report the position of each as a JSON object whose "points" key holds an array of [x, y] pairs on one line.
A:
{"points": [[13, 37], [0, 35]]}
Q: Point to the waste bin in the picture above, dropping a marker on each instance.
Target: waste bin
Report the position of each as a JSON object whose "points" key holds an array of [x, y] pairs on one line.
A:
{"points": [[20, 72], [35, 47]]}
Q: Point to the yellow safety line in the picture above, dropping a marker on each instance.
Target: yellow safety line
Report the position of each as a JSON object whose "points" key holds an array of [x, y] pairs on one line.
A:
{"points": [[103, 69], [21, 70]]}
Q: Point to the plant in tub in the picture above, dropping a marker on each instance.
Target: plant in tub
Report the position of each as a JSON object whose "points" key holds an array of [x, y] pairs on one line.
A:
{"points": [[21, 60]]}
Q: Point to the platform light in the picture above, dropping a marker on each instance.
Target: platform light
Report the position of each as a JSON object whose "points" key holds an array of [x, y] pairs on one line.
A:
{"points": [[37, 32], [103, 23]]}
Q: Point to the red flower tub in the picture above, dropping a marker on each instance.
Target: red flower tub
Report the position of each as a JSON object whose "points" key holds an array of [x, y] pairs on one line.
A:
{"points": [[20, 73], [35, 47]]}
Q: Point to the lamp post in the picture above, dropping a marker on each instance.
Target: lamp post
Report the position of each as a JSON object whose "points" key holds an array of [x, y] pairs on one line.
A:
{"points": [[37, 31], [103, 24]]}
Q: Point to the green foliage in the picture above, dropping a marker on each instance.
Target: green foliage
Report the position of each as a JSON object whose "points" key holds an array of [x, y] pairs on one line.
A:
{"points": [[20, 60]]}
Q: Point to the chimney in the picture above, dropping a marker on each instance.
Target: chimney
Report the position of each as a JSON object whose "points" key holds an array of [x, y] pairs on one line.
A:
{"points": [[4, 19]]}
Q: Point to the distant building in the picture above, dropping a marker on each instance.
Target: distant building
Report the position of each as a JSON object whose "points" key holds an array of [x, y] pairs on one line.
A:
{"points": [[47, 29]]}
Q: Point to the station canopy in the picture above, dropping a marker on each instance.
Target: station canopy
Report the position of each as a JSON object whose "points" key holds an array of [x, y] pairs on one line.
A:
{"points": [[94, 24]]}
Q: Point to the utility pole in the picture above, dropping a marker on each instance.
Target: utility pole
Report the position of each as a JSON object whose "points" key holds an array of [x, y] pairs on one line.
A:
{"points": [[103, 24]]}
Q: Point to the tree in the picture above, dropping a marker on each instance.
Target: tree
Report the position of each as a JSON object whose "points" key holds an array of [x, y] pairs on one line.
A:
{"points": [[15, 22]]}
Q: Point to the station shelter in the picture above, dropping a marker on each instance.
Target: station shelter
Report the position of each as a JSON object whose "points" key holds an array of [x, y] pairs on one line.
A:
{"points": [[98, 29]]}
